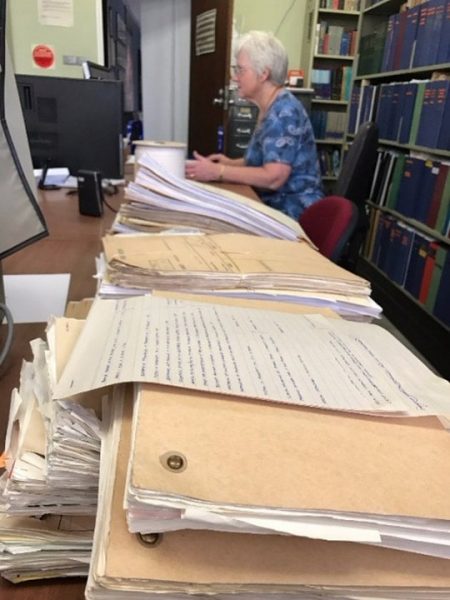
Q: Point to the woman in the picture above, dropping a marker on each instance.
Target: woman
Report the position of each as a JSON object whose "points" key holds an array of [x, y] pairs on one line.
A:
{"points": [[281, 160]]}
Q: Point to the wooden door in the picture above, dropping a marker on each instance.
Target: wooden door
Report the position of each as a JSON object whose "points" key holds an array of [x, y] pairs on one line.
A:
{"points": [[210, 72]]}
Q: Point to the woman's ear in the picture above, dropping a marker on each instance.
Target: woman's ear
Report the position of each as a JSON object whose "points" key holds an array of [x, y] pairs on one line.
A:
{"points": [[265, 75]]}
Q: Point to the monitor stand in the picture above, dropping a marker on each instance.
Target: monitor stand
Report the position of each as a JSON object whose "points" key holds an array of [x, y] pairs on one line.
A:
{"points": [[46, 186], [2, 286]]}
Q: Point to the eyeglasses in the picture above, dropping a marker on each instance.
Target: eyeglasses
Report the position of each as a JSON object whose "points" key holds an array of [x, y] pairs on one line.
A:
{"points": [[238, 70]]}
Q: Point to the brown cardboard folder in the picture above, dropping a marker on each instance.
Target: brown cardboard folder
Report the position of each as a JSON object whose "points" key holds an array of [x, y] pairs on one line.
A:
{"points": [[245, 456], [213, 563]]}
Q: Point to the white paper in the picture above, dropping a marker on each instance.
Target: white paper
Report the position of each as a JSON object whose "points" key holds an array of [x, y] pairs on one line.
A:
{"points": [[268, 355], [55, 12], [35, 298]]}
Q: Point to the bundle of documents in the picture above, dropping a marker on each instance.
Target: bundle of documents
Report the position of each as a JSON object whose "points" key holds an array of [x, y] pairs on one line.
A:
{"points": [[229, 565], [237, 265], [262, 354], [54, 546], [52, 449], [204, 461], [158, 200]]}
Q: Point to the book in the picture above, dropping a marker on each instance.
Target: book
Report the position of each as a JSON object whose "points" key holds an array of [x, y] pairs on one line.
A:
{"points": [[406, 117], [419, 252], [402, 253], [437, 196], [399, 40], [409, 40], [421, 35], [371, 50], [428, 268], [353, 110], [441, 308], [441, 255], [397, 173], [418, 103], [443, 53], [428, 177], [441, 220], [409, 186], [381, 246], [436, 25], [434, 124], [443, 110], [386, 61]]}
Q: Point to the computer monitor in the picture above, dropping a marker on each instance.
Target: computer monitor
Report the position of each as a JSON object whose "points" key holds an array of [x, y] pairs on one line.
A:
{"points": [[93, 70], [74, 123], [21, 220]]}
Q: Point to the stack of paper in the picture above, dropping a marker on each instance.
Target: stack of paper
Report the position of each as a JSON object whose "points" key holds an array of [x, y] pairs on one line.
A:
{"points": [[205, 461], [158, 200], [233, 264], [52, 449], [53, 546], [231, 565]]}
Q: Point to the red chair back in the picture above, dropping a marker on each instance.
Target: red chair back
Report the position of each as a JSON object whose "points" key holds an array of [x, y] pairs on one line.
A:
{"points": [[329, 223]]}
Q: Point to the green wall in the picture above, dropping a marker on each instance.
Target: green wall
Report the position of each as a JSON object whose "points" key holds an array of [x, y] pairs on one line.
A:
{"points": [[284, 18], [84, 40]]}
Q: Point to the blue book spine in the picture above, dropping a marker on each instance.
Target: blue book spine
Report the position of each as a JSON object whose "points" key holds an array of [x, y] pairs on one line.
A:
{"points": [[408, 101], [383, 250], [353, 110], [434, 28], [383, 110], [433, 108], [388, 44], [409, 40], [443, 106], [419, 253], [420, 48], [441, 308], [443, 54], [409, 186], [427, 182], [391, 264]]}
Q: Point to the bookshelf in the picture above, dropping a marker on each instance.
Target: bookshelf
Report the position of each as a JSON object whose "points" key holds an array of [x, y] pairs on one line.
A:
{"points": [[329, 47], [406, 256]]}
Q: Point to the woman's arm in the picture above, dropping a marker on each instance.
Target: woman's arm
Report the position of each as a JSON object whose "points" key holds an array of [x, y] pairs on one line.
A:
{"points": [[269, 176]]}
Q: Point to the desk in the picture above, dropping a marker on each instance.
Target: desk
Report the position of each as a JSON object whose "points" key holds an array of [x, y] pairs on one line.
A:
{"points": [[71, 247]]}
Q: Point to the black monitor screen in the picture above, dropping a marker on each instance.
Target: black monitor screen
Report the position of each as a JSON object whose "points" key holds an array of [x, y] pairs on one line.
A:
{"points": [[73, 123]]}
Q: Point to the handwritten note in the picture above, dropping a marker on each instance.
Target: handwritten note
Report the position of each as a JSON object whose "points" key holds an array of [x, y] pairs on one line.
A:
{"points": [[303, 360]]}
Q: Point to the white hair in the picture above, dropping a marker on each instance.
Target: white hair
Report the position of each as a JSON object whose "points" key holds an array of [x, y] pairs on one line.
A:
{"points": [[264, 51]]}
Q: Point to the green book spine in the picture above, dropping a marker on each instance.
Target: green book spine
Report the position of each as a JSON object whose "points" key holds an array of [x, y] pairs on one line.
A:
{"points": [[441, 254], [443, 209], [395, 181], [416, 113]]}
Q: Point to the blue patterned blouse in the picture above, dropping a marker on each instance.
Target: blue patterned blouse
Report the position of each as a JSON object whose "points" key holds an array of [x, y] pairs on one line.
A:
{"points": [[285, 135]]}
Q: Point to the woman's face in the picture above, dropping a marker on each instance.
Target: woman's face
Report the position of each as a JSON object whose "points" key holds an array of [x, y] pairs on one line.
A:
{"points": [[248, 82]]}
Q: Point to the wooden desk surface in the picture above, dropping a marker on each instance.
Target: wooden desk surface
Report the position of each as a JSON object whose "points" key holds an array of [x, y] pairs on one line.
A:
{"points": [[71, 247]]}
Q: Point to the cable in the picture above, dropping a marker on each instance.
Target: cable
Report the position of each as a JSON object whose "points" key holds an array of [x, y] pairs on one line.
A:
{"points": [[284, 17], [10, 323], [112, 209]]}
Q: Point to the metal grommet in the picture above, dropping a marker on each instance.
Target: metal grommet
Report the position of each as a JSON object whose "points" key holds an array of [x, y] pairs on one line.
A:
{"points": [[174, 461], [149, 539]]}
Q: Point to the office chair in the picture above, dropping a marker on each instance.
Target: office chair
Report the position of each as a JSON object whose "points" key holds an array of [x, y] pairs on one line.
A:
{"points": [[329, 223], [354, 183]]}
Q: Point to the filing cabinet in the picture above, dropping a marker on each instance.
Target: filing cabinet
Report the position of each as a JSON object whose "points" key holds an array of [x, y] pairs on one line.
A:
{"points": [[242, 117]]}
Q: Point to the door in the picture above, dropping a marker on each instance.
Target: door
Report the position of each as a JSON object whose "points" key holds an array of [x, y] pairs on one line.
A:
{"points": [[210, 72]]}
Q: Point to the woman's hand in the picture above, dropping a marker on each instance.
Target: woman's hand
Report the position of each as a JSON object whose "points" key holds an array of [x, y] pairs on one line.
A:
{"points": [[204, 168]]}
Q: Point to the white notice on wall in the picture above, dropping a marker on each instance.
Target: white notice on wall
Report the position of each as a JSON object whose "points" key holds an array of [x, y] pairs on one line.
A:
{"points": [[205, 32], [55, 12]]}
